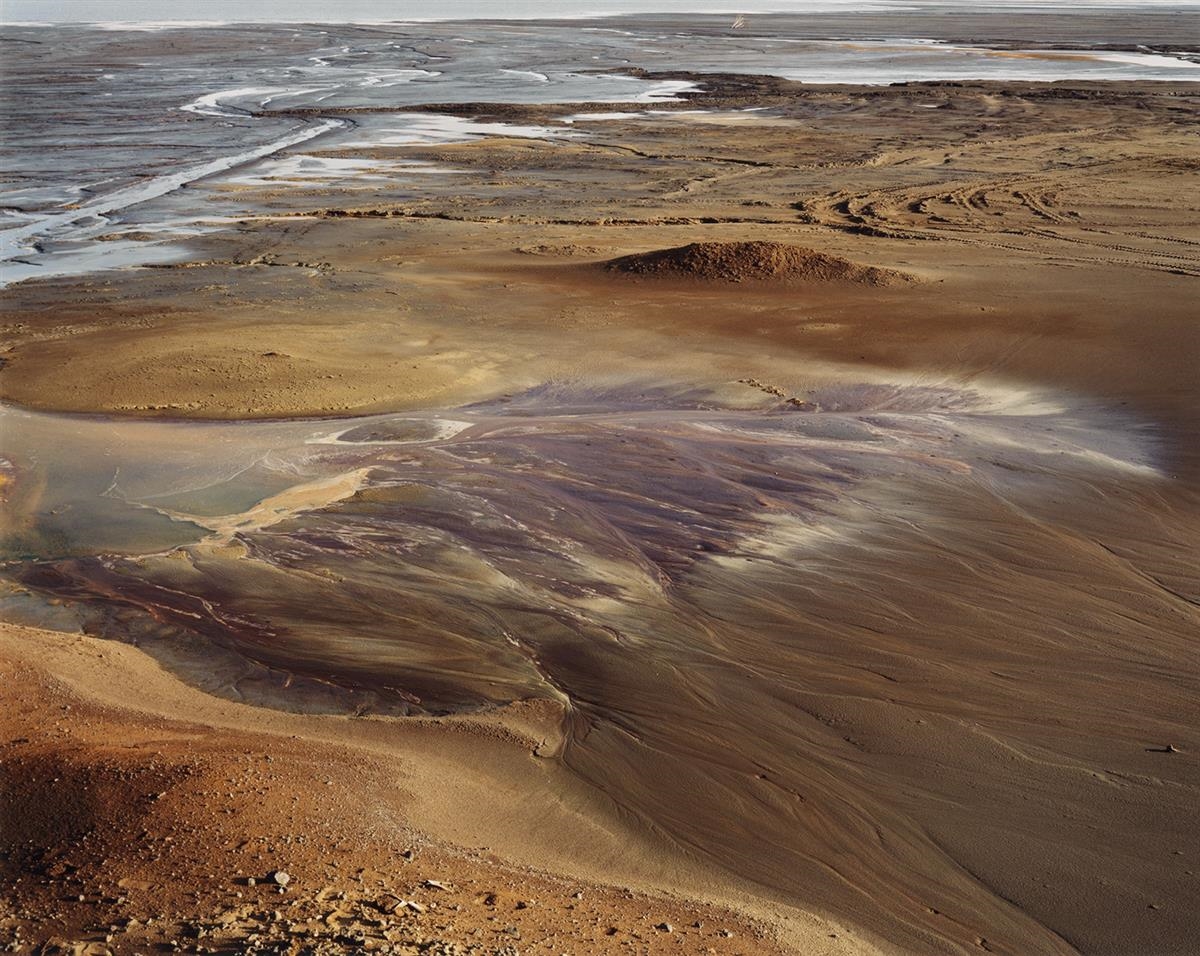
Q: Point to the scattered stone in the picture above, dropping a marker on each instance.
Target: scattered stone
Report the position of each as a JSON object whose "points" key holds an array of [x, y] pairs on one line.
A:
{"points": [[280, 878]]}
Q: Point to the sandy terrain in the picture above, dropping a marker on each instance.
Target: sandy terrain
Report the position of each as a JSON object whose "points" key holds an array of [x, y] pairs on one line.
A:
{"points": [[947, 706], [141, 814], [1009, 192]]}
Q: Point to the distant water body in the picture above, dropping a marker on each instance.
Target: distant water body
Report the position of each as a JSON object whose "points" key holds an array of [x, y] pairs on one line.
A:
{"points": [[163, 11]]}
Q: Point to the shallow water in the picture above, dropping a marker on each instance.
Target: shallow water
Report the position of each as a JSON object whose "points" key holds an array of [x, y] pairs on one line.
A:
{"points": [[880, 62]]}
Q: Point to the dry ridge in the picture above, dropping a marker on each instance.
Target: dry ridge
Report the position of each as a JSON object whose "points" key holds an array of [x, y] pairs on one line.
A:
{"points": [[751, 262]]}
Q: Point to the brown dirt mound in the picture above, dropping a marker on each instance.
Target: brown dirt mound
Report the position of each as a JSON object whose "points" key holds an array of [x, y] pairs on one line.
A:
{"points": [[751, 262]]}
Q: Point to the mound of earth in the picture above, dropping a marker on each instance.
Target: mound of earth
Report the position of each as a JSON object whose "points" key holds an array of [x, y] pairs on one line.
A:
{"points": [[750, 262]]}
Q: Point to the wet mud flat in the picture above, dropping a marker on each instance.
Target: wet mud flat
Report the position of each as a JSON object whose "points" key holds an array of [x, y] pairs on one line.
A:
{"points": [[807, 618], [162, 96], [869, 600], [161, 120]]}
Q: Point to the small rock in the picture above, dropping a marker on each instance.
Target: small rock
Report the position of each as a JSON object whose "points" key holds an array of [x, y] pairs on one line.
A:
{"points": [[665, 927], [281, 878]]}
